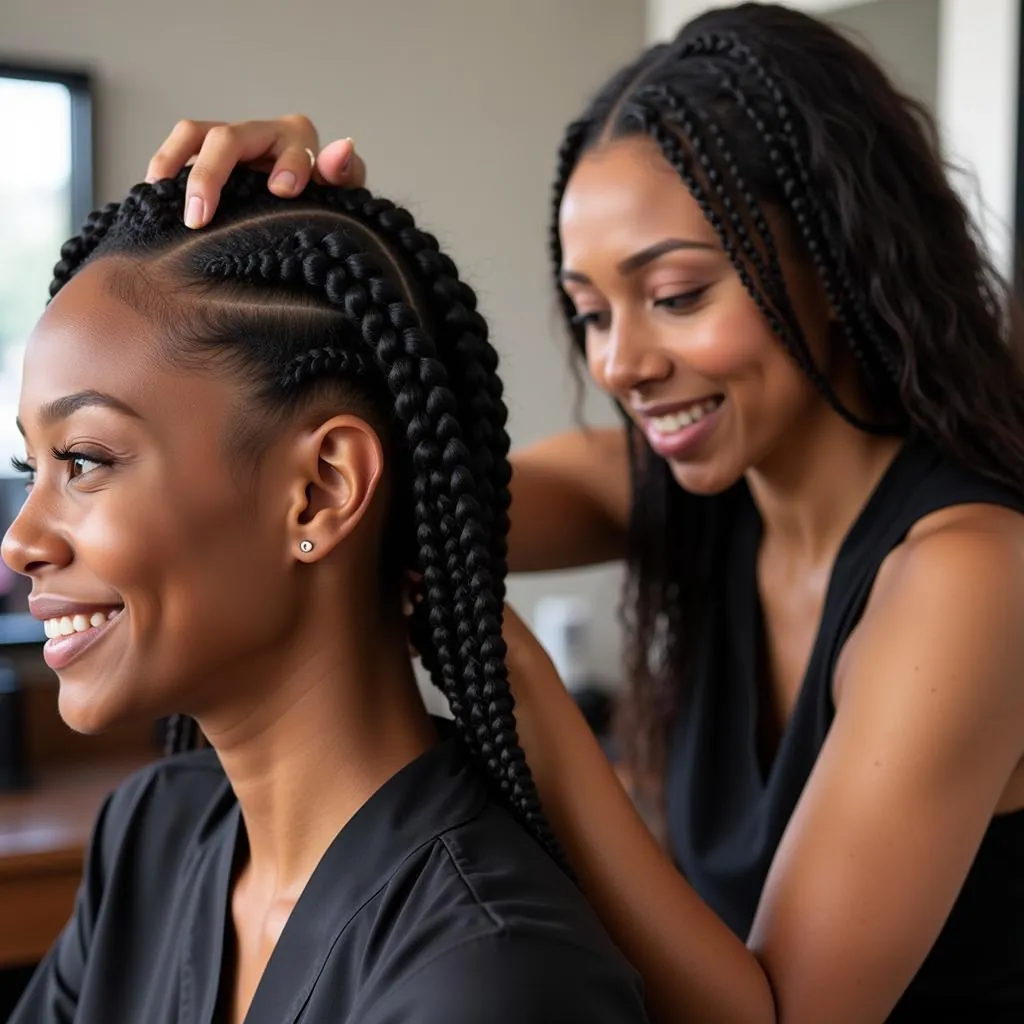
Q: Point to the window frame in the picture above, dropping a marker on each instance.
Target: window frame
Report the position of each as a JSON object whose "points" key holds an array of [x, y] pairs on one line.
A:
{"points": [[1017, 255], [80, 88]]}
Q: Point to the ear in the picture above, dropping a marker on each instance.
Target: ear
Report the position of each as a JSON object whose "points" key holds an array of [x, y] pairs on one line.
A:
{"points": [[341, 464]]}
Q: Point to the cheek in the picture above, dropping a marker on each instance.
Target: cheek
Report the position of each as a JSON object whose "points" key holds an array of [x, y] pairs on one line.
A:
{"points": [[733, 347], [189, 564], [728, 341]]}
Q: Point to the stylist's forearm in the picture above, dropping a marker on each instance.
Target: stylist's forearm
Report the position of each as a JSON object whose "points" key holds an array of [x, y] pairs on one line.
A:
{"points": [[694, 967]]}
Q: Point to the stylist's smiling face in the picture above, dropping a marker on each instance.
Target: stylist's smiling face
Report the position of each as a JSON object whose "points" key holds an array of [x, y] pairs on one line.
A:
{"points": [[671, 332], [157, 572]]}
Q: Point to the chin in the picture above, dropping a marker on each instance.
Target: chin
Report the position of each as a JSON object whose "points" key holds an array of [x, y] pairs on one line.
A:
{"points": [[704, 478], [85, 711]]}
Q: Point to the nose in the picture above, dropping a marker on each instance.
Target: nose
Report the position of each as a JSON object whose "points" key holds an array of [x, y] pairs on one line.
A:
{"points": [[626, 357], [30, 544]]}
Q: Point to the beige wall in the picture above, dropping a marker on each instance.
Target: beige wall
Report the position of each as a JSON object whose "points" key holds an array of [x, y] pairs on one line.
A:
{"points": [[666, 17], [458, 106], [903, 35]]}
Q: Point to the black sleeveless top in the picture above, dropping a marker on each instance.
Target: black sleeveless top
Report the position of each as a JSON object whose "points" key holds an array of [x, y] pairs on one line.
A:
{"points": [[726, 817]]}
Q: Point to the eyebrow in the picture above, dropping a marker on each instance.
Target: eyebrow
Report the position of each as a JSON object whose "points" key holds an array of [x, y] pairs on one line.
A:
{"points": [[631, 264], [61, 408]]}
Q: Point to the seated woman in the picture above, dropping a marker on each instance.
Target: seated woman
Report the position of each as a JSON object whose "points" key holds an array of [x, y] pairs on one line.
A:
{"points": [[241, 442]]}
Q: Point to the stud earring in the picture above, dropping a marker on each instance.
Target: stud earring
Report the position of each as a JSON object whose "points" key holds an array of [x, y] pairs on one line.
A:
{"points": [[305, 546]]}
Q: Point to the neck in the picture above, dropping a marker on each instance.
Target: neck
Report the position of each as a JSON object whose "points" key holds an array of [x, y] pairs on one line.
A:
{"points": [[305, 754], [812, 488]]}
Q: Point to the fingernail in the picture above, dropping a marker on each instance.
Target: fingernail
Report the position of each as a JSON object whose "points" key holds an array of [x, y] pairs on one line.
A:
{"points": [[283, 181], [194, 210], [351, 151]]}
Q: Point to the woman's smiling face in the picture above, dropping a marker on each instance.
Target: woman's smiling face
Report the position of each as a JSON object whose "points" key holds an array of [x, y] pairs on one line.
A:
{"points": [[168, 571], [671, 332]]}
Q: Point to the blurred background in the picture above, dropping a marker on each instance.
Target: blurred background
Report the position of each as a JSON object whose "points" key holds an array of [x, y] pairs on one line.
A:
{"points": [[458, 107]]}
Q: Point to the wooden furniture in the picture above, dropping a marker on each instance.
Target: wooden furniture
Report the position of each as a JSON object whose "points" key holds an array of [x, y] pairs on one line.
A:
{"points": [[44, 832], [45, 829]]}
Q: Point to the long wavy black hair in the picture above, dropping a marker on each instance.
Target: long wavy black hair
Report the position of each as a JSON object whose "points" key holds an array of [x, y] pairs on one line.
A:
{"points": [[760, 108], [339, 294]]}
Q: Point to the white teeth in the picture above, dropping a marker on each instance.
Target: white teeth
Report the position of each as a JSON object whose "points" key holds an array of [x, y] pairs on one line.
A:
{"points": [[675, 421], [68, 624]]}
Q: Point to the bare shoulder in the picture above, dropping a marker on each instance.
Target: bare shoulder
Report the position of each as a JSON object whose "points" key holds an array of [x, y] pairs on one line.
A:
{"points": [[926, 740], [951, 597], [965, 551]]}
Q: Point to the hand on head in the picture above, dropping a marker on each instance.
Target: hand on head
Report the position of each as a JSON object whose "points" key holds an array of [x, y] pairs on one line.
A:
{"points": [[288, 149]]}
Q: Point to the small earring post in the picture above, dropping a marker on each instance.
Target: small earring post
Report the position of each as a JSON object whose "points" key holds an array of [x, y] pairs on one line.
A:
{"points": [[305, 546]]}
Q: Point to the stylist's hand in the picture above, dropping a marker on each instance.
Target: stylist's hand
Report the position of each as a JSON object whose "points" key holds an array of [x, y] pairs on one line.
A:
{"points": [[282, 148]]}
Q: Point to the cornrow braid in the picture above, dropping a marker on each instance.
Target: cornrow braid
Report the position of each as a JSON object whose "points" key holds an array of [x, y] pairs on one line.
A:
{"points": [[401, 325], [458, 330], [307, 258], [75, 251], [323, 362], [448, 514]]}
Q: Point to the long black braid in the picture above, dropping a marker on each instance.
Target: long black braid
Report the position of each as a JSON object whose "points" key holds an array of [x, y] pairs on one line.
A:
{"points": [[762, 110], [406, 334]]}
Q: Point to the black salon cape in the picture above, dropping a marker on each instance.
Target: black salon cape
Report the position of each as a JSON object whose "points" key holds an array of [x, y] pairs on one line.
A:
{"points": [[432, 906]]}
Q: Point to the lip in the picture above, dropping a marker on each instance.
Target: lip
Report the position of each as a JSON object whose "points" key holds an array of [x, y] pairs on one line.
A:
{"points": [[60, 651], [46, 606], [680, 443]]}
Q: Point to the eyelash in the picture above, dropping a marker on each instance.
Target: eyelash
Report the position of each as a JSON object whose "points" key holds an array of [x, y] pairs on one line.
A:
{"points": [[685, 300], [61, 455]]}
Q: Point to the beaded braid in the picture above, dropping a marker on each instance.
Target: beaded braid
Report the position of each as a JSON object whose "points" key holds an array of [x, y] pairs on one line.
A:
{"points": [[455, 440]]}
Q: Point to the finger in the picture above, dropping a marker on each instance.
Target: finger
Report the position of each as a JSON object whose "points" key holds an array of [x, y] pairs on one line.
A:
{"points": [[340, 164], [226, 146], [292, 171], [178, 149], [222, 149]]}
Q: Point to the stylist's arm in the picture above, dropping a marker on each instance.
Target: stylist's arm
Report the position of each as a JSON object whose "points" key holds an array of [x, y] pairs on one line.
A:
{"points": [[640, 896]]}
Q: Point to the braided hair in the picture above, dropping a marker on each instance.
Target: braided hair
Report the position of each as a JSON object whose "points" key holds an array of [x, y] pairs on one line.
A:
{"points": [[340, 290], [758, 109]]}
